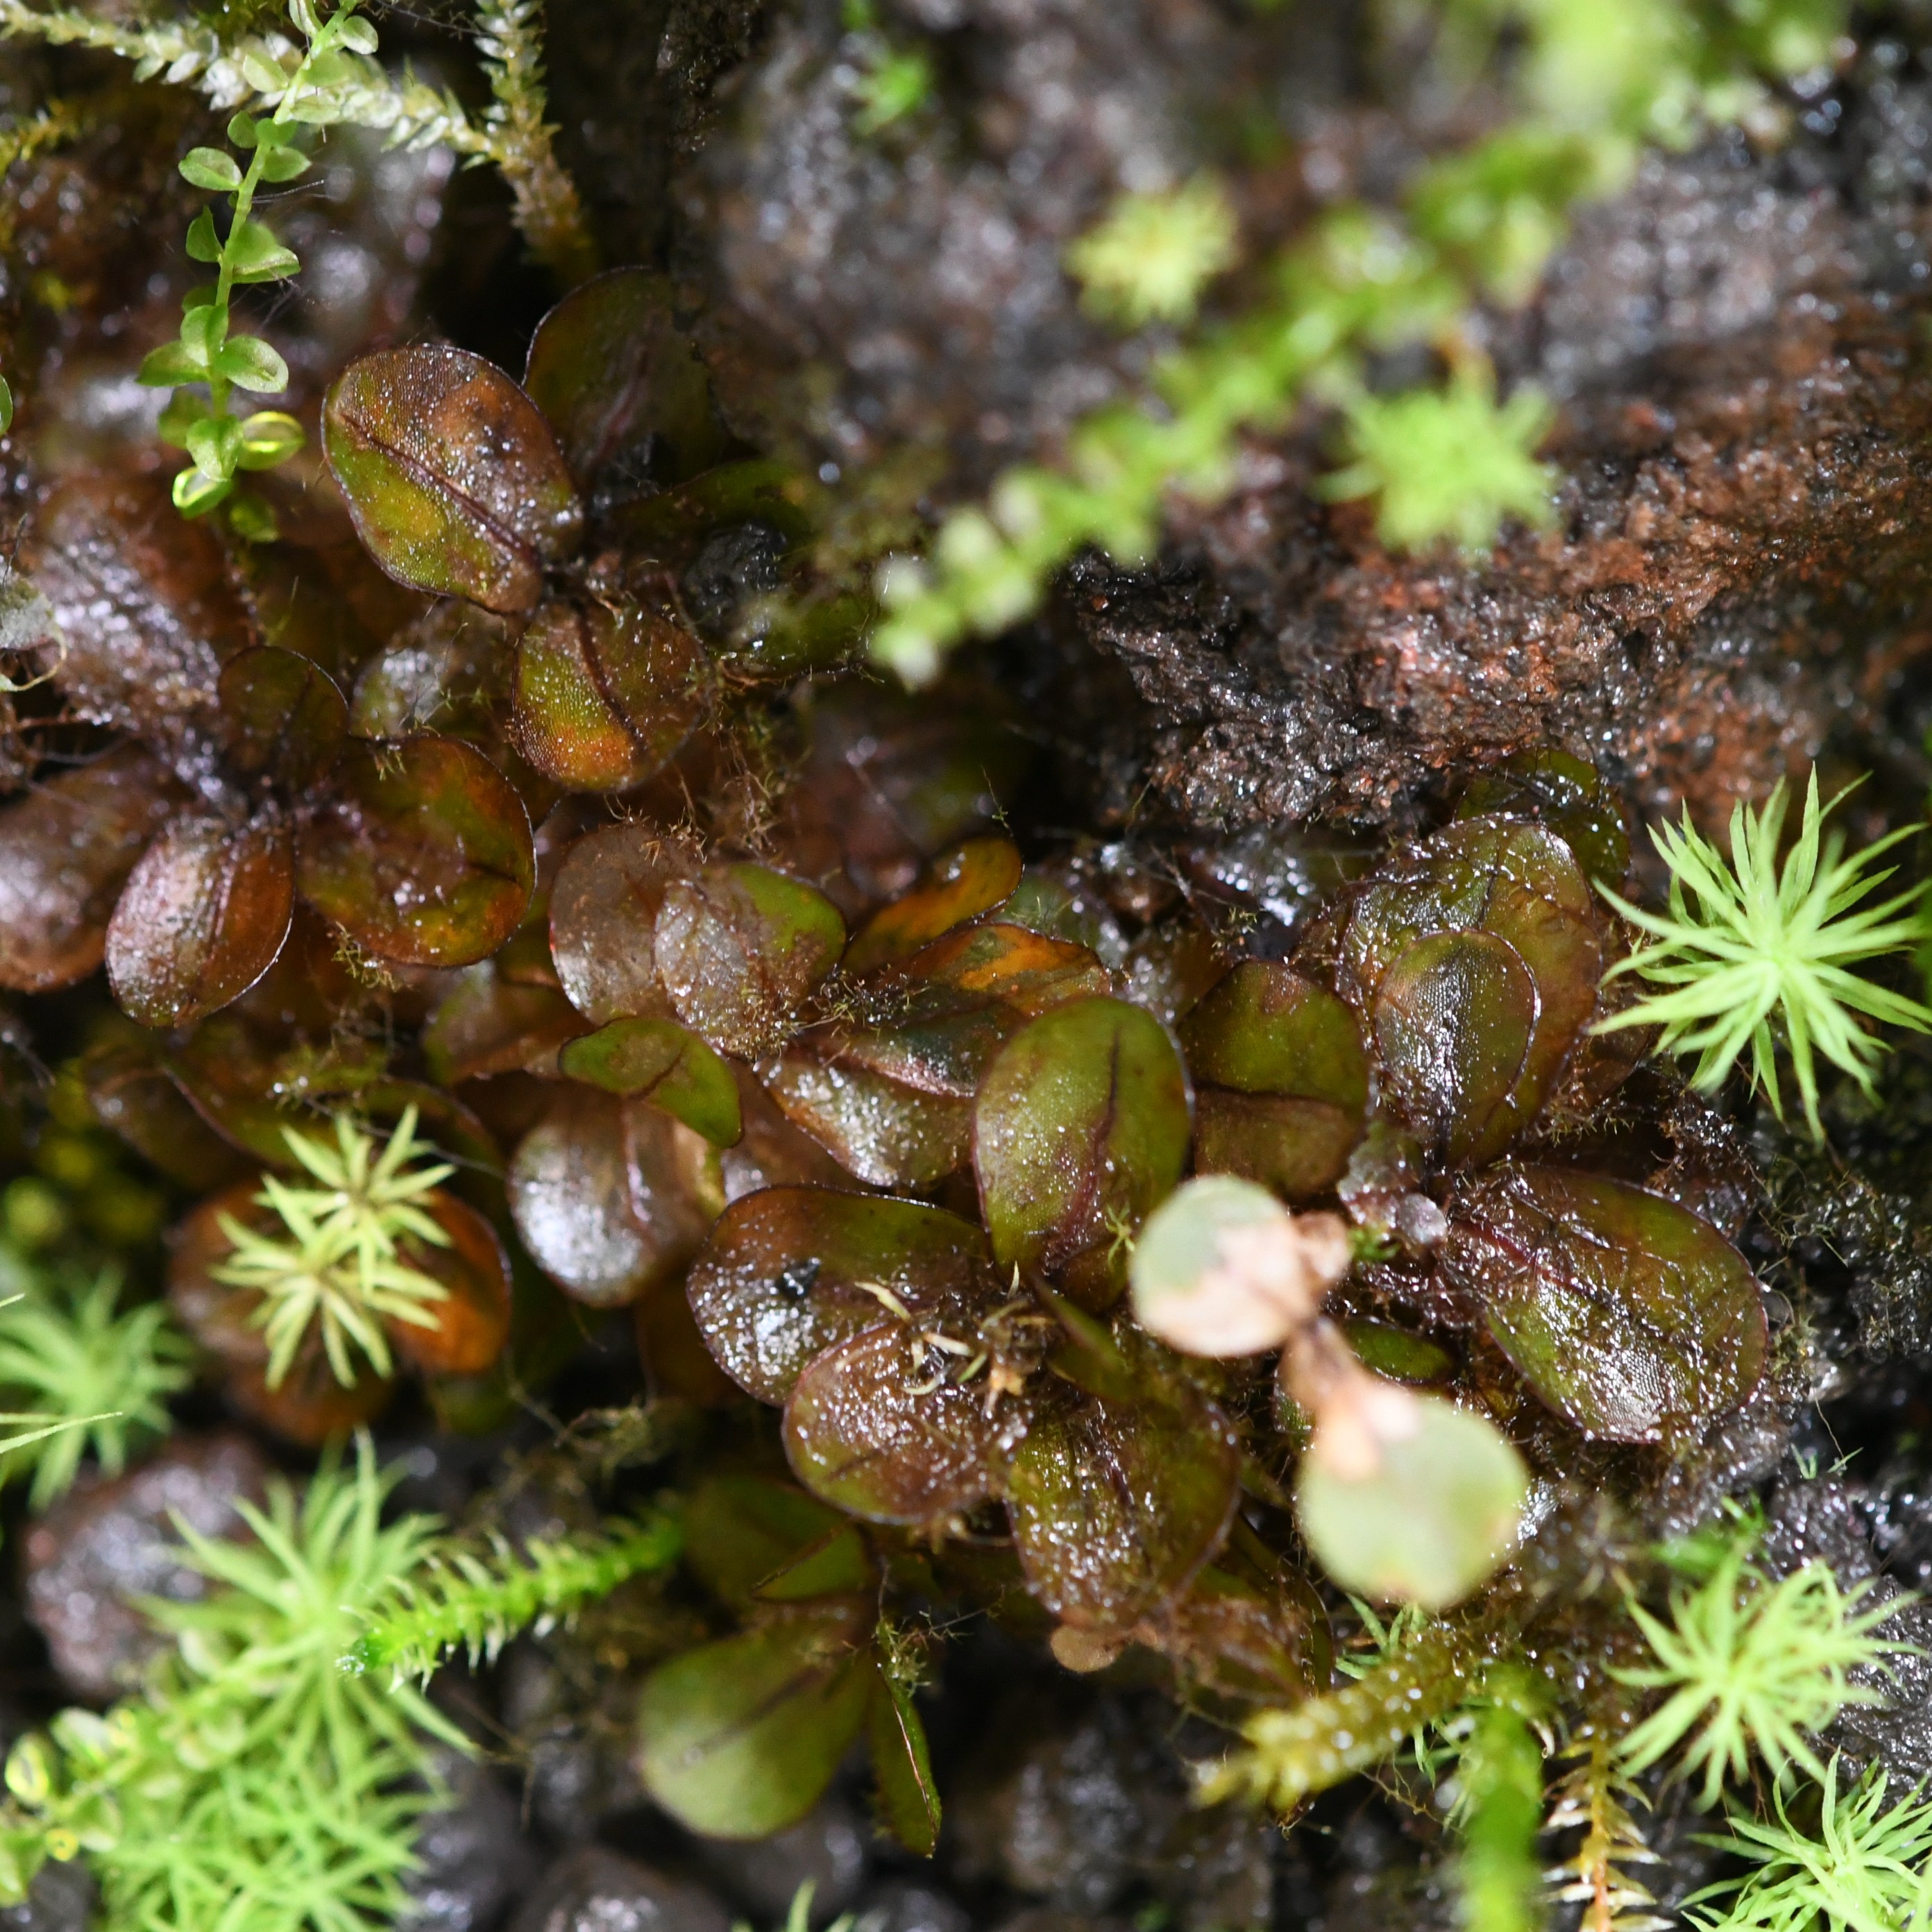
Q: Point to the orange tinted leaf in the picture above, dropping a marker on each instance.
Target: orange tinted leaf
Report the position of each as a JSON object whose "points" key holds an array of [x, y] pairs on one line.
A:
{"points": [[971, 879], [471, 1326]]}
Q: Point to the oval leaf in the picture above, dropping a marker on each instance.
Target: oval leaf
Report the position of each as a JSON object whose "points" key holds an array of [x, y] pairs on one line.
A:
{"points": [[779, 1278], [662, 1062], [470, 1328], [603, 918], [602, 697], [64, 850], [489, 1023], [453, 478], [879, 1430], [282, 718], [739, 946], [1079, 1131], [884, 1133], [740, 1738], [201, 919], [1114, 1510], [423, 853], [971, 879], [1627, 1314]]}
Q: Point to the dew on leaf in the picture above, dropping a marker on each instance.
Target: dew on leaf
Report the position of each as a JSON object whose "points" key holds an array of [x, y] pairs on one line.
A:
{"points": [[779, 1279], [283, 718], [971, 879], [1281, 1080], [422, 852], [1632, 1317], [880, 1130], [1079, 1131], [201, 919], [453, 478], [603, 917]]}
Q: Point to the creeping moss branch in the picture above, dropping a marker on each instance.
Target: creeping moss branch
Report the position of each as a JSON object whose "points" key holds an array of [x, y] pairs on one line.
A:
{"points": [[460, 1600]]}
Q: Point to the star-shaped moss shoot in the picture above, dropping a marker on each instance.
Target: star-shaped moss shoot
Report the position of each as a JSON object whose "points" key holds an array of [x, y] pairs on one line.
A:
{"points": [[1152, 256], [1753, 954]]}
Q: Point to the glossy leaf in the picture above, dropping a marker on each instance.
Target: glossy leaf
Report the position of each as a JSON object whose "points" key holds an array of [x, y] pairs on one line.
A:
{"points": [[1281, 1080], [1518, 883], [422, 853], [1567, 795], [1400, 1354], [971, 879], [454, 479], [884, 1133], [662, 1062], [616, 377], [1080, 1130], [603, 917], [876, 1428], [1245, 1643], [779, 1278], [470, 1328], [282, 718], [201, 919], [1114, 1510], [1629, 1315], [603, 696], [65, 849], [738, 947], [488, 1024], [902, 1767], [739, 1738], [1429, 1522]]}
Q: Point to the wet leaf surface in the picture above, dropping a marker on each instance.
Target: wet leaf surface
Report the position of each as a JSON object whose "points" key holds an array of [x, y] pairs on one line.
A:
{"points": [[971, 879], [902, 1766], [603, 696], [472, 1328], [738, 947], [667, 1064], [1518, 884], [1080, 1130], [570, 1194], [283, 718], [1568, 796], [454, 479], [673, 1176], [1281, 1080], [603, 918], [1400, 1354], [201, 919], [1430, 1523], [1629, 1315], [1238, 1642], [739, 1738], [487, 1024], [875, 1427], [1115, 1510], [957, 1002], [778, 1280], [422, 853], [621, 384], [880, 1131], [65, 849], [132, 1096]]}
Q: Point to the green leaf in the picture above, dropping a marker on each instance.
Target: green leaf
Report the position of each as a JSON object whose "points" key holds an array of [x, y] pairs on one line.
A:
{"points": [[204, 329], [908, 1798], [195, 492], [357, 34], [215, 443], [740, 1738], [269, 437], [172, 364], [6, 405], [203, 243], [1429, 1522], [242, 131], [261, 73], [284, 164], [185, 409], [249, 363], [249, 516], [254, 254], [665, 1064], [210, 168]]}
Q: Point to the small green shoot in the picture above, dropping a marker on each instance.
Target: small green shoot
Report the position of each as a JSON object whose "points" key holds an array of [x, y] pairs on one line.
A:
{"points": [[1751, 1666], [1863, 1869], [340, 1261], [1152, 256], [1753, 954]]}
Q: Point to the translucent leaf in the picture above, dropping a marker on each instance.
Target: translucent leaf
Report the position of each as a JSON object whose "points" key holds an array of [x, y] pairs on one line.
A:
{"points": [[65, 849], [1567, 795], [971, 879], [662, 1062], [603, 696], [255, 253], [738, 947], [1429, 1523], [453, 478], [603, 917], [1115, 1510], [1281, 1080], [1080, 1130], [201, 919], [739, 1738], [248, 362], [1629, 1315], [780, 1278], [422, 852], [613, 372], [211, 169], [872, 1428], [902, 1767], [282, 718]]}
